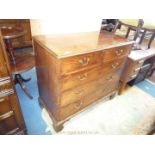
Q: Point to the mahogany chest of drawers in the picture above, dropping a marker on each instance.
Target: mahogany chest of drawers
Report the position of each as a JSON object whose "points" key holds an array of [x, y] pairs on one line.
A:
{"points": [[11, 119], [74, 71]]}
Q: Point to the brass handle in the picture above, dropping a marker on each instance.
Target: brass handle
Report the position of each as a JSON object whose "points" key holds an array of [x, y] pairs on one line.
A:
{"points": [[109, 78], [2, 99], [114, 65], [82, 77], [78, 105], [133, 76], [84, 61], [137, 69], [141, 61], [119, 52], [80, 92]]}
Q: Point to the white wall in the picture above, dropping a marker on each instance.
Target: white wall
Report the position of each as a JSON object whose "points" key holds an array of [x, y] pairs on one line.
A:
{"points": [[69, 25]]}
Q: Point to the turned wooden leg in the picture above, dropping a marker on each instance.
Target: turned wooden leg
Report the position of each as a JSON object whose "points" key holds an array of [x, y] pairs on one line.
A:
{"points": [[58, 127], [121, 88], [10, 50]]}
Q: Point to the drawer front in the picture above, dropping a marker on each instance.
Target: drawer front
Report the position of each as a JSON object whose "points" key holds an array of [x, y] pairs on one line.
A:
{"points": [[113, 66], [5, 84], [80, 92], [134, 73], [117, 52], [79, 79], [4, 105], [135, 70], [8, 125], [69, 110], [138, 64], [80, 62], [106, 86]]}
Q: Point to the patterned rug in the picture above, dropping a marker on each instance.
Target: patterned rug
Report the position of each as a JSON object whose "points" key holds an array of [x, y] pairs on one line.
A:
{"points": [[131, 113]]}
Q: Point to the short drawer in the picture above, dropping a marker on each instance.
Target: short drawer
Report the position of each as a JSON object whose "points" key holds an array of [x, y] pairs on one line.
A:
{"points": [[4, 105], [81, 78], [134, 73], [5, 84], [80, 62], [138, 63], [112, 66], [117, 52], [135, 69]]}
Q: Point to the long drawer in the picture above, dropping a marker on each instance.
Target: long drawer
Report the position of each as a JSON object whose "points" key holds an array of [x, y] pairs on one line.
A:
{"points": [[71, 109], [83, 90], [80, 62], [81, 78]]}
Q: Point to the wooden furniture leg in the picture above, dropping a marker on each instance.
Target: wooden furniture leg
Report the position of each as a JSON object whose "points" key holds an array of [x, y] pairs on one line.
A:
{"points": [[122, 87], [58, 127], [10, 50], [112, 96]]}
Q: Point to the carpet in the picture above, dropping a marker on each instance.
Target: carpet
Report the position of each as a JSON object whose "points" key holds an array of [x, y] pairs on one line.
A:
{"points": [[147, 86], [131, 113], [30, 108]]}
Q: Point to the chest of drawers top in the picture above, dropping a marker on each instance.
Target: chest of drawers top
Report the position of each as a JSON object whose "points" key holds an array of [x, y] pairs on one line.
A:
{"points": [[67, 45]]}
